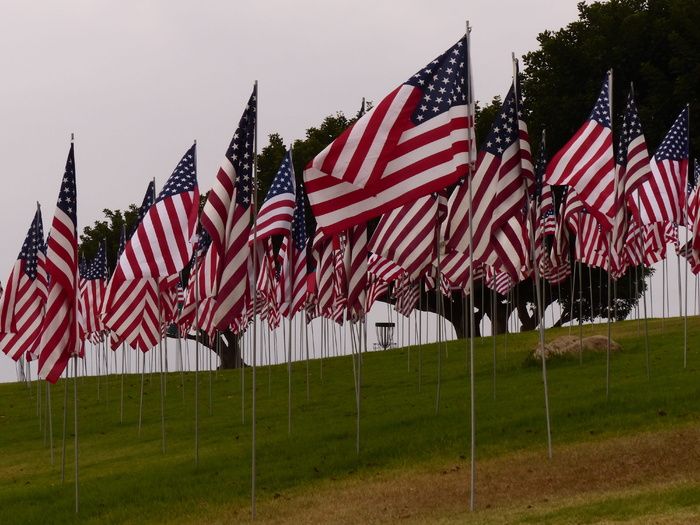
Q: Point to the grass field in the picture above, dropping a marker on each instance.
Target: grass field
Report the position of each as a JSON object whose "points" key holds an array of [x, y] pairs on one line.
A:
{"points": [[632, 458]]}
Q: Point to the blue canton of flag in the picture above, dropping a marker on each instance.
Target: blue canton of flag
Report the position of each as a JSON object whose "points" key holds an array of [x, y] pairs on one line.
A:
{"points": [[184, 177], [299, 222], [601, 110], [31, 246], [504, 131], [97, 269], [240, 152], [67, 196], [631, 129], [148, 199], [443, 83], [283, 180], [675, 144]]}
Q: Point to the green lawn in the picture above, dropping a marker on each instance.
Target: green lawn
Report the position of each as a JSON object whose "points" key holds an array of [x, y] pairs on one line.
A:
{"points": [[124, 478]]}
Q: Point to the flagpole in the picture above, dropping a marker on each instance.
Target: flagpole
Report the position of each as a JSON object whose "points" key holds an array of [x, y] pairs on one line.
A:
{"points": [[76, 351], [255, 295], [607, 354], [472, 404], [196, 340], [685, 221], [538, 288]]}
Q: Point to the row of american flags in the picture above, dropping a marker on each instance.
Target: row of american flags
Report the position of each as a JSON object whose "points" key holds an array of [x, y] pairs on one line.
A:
{"points": [[402, 200]]}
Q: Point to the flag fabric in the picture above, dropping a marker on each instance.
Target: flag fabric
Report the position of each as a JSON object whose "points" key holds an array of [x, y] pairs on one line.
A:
{"points": [[662, 197], [383, 269], [356, 270], [93, 292], [632, 170], [498, 193], [408, 235], [227, 216], [161, 245], [59, 331], [416, 141], [292, 286], [22, 307], [277, 210], [130, 307], [587, 163]]}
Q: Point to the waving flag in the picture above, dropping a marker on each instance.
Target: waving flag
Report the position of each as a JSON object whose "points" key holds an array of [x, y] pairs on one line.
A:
{"points": [[93, 292], [277, 211], [226, 217], [498, 197], [587, 162], [59, 332], [414, 142], [661, 196], [292, 286], [22, 307], [161, 245], [408, 235]]}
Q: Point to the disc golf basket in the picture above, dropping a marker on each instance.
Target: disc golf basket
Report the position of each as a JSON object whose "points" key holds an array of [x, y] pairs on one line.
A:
{"points": [[385, 336]]}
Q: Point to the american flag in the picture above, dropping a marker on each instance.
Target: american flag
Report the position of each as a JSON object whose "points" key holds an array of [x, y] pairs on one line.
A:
{"points": [[633, 169], [414, 142], [129, 307], [59, 332], [376, 288], [92, 294], [227, 216], [587, 162], [654, 243], [560, 266], [292, 285], [277, 211], [383, 269], [355, 259], [498, 196], [23, 303], [661, 196], [408, 235], [406, 295], [161, 245], [324, 258]]}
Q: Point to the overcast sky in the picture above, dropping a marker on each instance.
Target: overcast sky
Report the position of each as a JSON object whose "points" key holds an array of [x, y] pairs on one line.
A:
{"points": [[138, 81]]}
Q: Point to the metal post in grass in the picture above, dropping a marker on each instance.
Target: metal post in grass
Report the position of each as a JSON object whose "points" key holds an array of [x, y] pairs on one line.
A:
{"points": [[531, 217], [255, 298], [289, 372], [571, 298], [685, 216], [75, 430], [160, 358], [609, 269], [143, 377], [65, 418], [121, 395], [50, 418], [493, 332], [440, 310], [472, 403], [646, 328]]}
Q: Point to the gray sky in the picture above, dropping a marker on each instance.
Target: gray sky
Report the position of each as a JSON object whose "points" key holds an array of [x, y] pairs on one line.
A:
{"points": [[138, 81]]}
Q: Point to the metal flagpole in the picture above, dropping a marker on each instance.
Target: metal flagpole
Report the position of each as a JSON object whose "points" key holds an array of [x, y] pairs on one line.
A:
{"points": [[143, 374], [439, 308], [196, 342], [607, 355], [538, 288], [75, 429], [289, 371], [121, 402], [493, 333], [255, 295], [65, 418], [472, 403], [685, 318], [160, 355], [571, 300], [50, 418]]}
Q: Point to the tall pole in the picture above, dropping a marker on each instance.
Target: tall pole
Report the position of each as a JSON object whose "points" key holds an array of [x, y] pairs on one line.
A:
{"points": [[607, 355], [255, 295], [196, 344], [685, 221], [75, 430], [472, 403], [538, 287]]}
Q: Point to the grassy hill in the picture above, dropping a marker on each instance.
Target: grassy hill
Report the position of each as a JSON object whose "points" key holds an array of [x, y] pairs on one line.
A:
{"points": [[634, 457]]}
